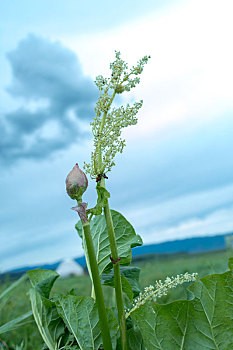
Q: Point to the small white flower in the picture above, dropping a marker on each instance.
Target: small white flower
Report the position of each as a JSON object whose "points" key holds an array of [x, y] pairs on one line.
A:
{"points": [[160, 289], [108, 123]]}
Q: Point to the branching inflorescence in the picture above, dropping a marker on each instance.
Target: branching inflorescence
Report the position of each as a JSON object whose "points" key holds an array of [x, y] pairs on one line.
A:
{"points": [[109, 122], [160, 289]]}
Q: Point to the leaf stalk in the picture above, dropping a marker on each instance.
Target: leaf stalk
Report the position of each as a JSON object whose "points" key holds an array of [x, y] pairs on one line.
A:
{"points": [[97, 287]]}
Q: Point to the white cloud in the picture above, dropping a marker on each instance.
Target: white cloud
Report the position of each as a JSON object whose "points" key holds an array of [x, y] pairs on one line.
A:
{"points": [[194, 214], [189, 78], [218, 222]]}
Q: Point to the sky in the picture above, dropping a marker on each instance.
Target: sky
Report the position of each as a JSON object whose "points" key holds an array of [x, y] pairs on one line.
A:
{"points": [[174, 179]]}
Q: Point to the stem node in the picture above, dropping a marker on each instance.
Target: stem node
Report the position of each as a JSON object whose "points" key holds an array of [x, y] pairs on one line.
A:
{"points": [[114, 261]]}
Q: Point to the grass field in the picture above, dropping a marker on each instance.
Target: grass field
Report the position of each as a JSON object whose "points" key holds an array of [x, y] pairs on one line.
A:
{"points": [[152, 269]]}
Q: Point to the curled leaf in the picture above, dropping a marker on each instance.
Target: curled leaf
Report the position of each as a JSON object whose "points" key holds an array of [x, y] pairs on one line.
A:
{"points": [[103, 196]]}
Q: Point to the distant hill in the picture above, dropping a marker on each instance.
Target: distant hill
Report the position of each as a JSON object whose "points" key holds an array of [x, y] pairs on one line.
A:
{"points": [[189, 245], [81, 261]]}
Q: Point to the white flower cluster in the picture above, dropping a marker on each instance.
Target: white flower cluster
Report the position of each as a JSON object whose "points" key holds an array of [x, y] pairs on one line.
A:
{"points": [[160, 289], [107, 124]]}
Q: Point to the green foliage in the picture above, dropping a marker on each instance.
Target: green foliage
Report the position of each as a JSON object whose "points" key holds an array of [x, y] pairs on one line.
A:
{"points": [[47, 319], [204, 322], [135, 340], [81, 318], [6, 292], [66, 320], [4, 297], [13, 324], [126, 239], [43, 281], [44, 310], [156, 267], [200, 323], [129, 278], [229, 244], [21, 346], [18, 304]]}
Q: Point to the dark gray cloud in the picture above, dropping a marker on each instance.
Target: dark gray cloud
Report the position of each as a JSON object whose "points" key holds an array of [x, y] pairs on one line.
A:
{"points": [[48, 75]]}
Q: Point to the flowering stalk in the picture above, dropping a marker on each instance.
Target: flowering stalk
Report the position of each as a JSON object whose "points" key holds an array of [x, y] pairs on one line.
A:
{"points": [[160, 289], [106, 129], [107, 124]]}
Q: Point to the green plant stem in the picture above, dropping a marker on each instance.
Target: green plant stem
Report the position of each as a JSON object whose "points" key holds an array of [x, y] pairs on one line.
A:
{"points": [[97, 287], [112, 242], [117, 276]]}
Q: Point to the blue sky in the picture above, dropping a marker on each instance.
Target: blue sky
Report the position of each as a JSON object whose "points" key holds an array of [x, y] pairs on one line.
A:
{"points": [[174, 179]]}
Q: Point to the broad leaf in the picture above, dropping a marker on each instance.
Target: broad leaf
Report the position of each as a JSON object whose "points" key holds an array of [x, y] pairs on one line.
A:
{"points": [[126, 287], [205, 322], [131, 273], [42, 280], [80, 315], [50, 325], [135, 340], [126, 239], [129, 278], [107, 279]]}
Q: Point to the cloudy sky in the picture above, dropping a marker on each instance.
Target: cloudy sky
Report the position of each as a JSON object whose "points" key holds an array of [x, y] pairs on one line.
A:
{"points": [[175, 177]]}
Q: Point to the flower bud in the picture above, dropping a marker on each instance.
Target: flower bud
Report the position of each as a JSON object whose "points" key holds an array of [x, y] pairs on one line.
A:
{"points": [[76, 183]]}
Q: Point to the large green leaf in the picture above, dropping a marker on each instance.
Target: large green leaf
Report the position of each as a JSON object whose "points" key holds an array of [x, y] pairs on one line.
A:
{"points": [[107, 279], [50, 325], [129, 278], [42, 280], [135, 340], [126, 239], [205, 322], [80, 315]]}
